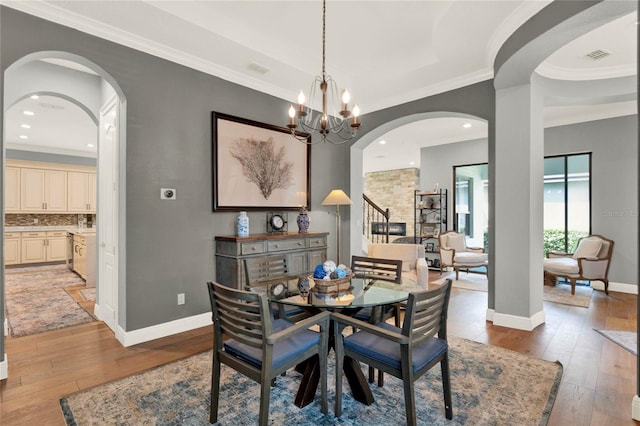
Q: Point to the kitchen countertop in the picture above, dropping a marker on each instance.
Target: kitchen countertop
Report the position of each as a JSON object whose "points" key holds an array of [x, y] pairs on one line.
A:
{"points": [[71, 229]]}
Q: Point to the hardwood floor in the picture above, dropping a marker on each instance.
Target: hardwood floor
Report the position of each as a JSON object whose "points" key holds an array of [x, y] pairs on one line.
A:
{"points": [[597, 387]]}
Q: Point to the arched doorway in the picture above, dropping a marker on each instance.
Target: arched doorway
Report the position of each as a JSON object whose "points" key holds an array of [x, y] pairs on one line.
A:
{"points": [[103, 101]]}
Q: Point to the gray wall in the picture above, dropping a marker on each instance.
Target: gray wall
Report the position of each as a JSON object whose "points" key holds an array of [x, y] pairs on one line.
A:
{"points": [[614, 148], [169, 245]]}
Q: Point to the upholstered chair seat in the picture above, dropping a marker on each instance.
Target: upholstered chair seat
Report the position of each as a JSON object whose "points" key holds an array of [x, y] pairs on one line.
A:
{"points": [[455, 254]]}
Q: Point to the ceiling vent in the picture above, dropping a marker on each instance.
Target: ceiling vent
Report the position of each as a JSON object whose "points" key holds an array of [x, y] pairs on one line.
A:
{"points": [[260, 69], [51, 106], [597, 54]]}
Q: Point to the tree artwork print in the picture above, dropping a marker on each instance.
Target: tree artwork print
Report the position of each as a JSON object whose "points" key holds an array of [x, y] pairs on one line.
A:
{"points": [[257, 166]]}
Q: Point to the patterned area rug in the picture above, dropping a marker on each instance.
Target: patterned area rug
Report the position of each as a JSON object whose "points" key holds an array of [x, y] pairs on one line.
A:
{"points": [[89, 293], [627, 339], [36, 300], [490, 386], [560, 293]]}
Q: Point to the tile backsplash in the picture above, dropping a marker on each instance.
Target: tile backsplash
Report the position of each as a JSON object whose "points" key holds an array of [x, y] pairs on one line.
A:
{"points": [[23, 219]]}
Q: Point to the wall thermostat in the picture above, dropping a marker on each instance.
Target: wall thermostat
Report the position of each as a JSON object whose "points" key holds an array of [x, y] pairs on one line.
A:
{"points": [[167, 194]]}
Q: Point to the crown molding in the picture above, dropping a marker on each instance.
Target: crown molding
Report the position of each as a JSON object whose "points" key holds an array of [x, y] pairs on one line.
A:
{"points": [[577, 74]]}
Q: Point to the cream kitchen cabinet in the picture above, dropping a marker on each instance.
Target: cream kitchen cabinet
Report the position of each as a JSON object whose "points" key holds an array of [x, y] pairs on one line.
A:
{"points": [[11, 248], [11, 189], [33, 248], [81, 192], [43, 191], [56, 246], [43, 246]]}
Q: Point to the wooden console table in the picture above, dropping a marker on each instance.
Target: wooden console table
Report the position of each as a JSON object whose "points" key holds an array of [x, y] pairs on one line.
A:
{"points": [[304, 252]]}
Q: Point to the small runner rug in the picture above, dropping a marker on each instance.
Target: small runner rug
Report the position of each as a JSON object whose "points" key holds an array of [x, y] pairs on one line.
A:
{"points": [[560, 293], [626, 339], [36, 300], [490, 386]]}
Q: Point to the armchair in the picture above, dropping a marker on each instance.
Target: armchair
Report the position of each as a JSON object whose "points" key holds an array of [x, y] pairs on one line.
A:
{"points": [[246, 339], [414, 264], [590, 261], [455, 253]]}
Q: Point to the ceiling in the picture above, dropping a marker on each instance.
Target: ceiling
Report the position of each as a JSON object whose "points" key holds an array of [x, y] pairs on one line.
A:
{"points": [[385, 52]]}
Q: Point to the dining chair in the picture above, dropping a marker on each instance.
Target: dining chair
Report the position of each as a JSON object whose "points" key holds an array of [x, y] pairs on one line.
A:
{"points": [[406, 353], [247, 339], [270, 274], [377, 269]]}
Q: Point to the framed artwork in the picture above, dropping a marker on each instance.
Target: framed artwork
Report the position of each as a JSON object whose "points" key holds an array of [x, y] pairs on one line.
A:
{"points": [[258, 166], [430, 247], [427, 230]]}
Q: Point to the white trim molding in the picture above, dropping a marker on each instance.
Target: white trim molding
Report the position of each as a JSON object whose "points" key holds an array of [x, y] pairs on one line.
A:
{"points": [[619, 287], [130, 338], [635, 407], [4, 368], [490, 314], [519, 323]]}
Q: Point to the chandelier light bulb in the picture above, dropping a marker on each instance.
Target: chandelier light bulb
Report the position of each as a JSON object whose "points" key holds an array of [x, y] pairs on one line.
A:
{"points": [[292, 117], [346, 96], [356, 111], [301, 98]]}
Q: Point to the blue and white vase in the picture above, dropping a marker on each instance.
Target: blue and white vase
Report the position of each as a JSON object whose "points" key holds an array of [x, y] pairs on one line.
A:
{"points": [[242, 225], [303, 221]]}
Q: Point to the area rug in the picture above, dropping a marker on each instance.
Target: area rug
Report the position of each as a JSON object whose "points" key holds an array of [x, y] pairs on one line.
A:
{"points": [[89, 294], [490, 386], [627, 339], [36, 301], [560, 293]]}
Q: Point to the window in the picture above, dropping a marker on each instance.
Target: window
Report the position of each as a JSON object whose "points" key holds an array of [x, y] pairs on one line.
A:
{"points": [[567, 201], [471, 208]]}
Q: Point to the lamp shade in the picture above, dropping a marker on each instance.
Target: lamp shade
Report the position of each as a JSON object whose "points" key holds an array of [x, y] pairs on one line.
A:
{"points": [[336, 197]]}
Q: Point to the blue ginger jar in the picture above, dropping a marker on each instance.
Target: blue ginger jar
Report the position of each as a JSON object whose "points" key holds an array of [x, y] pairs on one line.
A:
{"points": [[303, 221], [242, 225]]}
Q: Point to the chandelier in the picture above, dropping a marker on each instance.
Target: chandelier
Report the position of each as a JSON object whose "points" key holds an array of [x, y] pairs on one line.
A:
{"points": [[336, 127]]}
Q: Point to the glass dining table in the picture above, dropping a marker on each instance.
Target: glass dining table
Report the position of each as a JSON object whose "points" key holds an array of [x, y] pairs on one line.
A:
{"points": [[363, 292]]}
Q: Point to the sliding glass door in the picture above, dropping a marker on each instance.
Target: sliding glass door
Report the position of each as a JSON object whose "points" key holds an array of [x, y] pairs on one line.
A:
{"points": [[567, 201]]}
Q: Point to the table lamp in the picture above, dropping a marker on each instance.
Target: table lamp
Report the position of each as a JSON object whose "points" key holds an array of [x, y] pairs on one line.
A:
{"points": [[338, 198]]}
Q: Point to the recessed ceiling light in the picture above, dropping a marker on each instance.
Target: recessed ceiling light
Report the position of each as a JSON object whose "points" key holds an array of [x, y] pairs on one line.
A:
{"points": [[466, 125], [28, 112], [382, 142], [25, 126], [412, 163], [24, 137], [35, 97], [90, 145]]}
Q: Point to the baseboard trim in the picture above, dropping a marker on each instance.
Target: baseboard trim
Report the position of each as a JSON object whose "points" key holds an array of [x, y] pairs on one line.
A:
{"points": [[130, 338], [618, 287], [519, 323], [635, 407], [4, 368], [490, 314]]}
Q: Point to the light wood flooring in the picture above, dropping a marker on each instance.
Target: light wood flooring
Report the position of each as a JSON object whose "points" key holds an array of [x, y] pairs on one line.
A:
{"points": [[597, 388]]}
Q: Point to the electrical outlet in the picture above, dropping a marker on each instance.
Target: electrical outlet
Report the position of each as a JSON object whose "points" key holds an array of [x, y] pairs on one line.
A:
{"points": [[167, 194], [180, 298]]}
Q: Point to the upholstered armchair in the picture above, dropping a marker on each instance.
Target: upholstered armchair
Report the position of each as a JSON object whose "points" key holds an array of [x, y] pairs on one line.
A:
{"points": [[590, 261], [454, 253], [414, 264]]}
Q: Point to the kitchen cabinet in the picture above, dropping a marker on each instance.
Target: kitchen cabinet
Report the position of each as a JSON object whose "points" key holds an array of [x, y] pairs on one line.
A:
{"points": [[84, 257], [11, 189], [11, 248], [43, 191], [56, 246], [33, 248], [81, 192], [303, 251]]}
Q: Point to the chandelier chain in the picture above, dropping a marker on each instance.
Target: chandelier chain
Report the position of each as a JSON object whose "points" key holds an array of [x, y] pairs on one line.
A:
{"points": [[324, 41]]}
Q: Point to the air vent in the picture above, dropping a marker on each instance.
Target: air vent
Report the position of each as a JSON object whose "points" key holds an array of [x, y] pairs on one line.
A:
{"points": [[260, 69], [597, 54], [51, 106]]}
